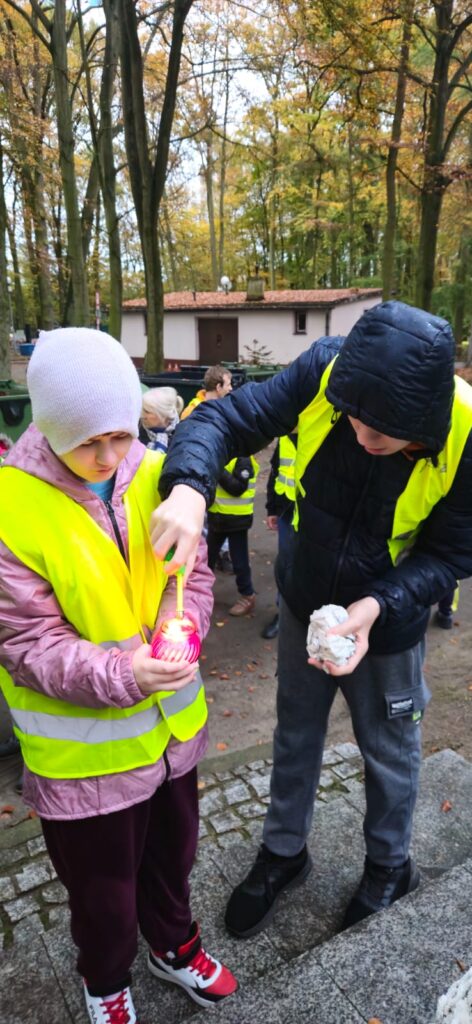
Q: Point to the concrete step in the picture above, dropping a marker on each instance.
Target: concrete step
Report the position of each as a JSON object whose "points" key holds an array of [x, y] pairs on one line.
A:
{"points": [[392, 967]]}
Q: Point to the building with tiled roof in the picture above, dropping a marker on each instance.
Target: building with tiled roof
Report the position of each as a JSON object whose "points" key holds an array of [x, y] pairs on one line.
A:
{"points": [[208, 327]]}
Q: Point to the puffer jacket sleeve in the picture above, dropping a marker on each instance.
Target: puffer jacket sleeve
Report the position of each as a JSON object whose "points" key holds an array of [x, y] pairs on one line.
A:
{"points": [[243, 422], [40, 649], [441, 556]]}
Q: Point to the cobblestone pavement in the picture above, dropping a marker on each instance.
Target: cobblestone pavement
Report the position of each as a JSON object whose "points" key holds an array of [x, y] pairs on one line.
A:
{"points": [[233, 803]]}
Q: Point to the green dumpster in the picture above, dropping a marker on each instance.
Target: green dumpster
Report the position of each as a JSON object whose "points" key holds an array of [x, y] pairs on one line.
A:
{"points": [[15, 408]]}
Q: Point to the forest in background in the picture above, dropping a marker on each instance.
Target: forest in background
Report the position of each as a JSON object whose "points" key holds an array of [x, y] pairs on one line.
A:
{"points": [[150, 147]]}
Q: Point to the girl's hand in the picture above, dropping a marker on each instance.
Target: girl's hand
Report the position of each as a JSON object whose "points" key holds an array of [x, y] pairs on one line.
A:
{"points": [[178, 521], [153, 675], [272, 522], [361, 617]]}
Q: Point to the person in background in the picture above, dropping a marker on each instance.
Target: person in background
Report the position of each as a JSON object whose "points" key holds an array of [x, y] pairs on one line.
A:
{"points": [[280, 504], [443, 616], [230, 517], [383, 527], [216, 384], [5, 445], [110, 736], [159, 417]]}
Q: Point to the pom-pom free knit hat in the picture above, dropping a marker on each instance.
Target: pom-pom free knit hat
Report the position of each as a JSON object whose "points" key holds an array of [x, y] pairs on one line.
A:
{"points": [[82, 384]]}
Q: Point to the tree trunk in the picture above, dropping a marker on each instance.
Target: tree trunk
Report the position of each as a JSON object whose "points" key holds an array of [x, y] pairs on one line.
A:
{"points": [[208, 173], [388, 261], [80, 311], [5, 325], [147, 180]]}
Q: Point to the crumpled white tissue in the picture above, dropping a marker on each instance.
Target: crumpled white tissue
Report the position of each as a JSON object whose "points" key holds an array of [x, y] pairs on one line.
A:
{"points": [[336, 649]]}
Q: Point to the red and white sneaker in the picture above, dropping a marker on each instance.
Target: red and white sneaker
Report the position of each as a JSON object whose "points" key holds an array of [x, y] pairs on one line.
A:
{"points": [[115, 1009], [204, 979]]}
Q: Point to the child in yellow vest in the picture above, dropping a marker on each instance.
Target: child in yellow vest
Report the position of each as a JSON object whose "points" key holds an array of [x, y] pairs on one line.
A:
{"points": [[110, 736]]}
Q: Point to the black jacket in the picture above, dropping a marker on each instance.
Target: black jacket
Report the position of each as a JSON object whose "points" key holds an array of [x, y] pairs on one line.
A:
{"points": [[234, 483], [395, 373]]}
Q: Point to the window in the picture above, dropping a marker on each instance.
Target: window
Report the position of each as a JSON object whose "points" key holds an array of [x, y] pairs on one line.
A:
{"points": [[300, 321]]}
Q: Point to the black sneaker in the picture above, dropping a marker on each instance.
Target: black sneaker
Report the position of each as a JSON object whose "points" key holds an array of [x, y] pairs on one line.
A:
{"points": [[270, 631], [252, 903], [379, 888], [443, 620]]}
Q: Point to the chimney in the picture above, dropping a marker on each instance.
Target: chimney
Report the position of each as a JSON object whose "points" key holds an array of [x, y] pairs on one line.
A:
{"points": [[255, 289]]}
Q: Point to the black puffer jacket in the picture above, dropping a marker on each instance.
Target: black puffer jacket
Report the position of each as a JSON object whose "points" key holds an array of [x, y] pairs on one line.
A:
{"points": [[395, 373]]}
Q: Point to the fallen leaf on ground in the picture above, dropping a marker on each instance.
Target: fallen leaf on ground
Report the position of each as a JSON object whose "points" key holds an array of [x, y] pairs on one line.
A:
{"points": [[213, 672], [203, 657], [7, 809], [251, 689], [201, 784], [224, 675], [32, 814], [220, 624], [263, 675], [268, 647], [446, 805], [221, 746], [210, 700], [227, 714], [238, 673], [461, 964], [374, 1020]]}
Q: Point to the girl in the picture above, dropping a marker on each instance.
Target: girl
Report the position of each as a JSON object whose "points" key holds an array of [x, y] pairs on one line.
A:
{"points": [[110, 736]]}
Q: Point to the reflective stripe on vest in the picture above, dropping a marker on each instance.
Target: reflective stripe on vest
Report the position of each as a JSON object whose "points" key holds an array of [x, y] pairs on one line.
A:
{"points": [[285, 482], [427, 483], [107, 603], [244, 505]]}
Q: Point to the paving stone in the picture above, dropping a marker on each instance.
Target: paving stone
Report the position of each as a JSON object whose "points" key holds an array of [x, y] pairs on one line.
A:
{"points": [[16, 909], [27, 929], [346, 749], [330, 757], [208, 779], [211, 802], [236, 792], [202, 829], [7, 889], [225, 822], [34, 874], [256, 766], [260, 783], [327, 779], [55, 892], [10, 857], [443, 839], [251, 810], [346, 770], [59, 916], [36, 845], [224, 776]]}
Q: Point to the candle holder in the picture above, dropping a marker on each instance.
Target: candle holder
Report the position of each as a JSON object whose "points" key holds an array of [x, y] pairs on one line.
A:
{"points": [[176, 640]]}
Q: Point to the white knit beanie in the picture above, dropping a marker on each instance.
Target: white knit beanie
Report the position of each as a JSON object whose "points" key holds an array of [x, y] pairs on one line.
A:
{"points": [[82, 384]]}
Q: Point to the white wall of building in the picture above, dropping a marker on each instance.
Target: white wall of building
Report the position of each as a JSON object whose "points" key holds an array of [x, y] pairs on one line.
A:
{"points": [[133, 337], [344, 317]]}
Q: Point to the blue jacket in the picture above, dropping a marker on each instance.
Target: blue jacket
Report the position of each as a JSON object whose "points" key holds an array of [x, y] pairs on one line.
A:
{"points": [[395, 373]]}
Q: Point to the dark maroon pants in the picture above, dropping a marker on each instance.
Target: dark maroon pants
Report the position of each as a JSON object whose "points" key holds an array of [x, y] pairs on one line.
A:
{"points": [[125, 871]]}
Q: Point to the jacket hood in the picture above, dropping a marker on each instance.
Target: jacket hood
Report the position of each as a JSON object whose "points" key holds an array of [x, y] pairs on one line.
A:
{"points": [[395, 373]]}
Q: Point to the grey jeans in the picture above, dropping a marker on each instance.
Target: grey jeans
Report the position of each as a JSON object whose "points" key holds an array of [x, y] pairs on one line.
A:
{"points": [[386, 695]]}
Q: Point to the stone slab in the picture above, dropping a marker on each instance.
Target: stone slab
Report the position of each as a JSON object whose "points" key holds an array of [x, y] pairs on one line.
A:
{"points": [[395, 965], [443, 838], [29, 993]]}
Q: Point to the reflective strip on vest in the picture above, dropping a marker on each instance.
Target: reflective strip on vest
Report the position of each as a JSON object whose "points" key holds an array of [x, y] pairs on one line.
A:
{"points": [[228, 505], [427, 483], [285, 482], [102, 598]]}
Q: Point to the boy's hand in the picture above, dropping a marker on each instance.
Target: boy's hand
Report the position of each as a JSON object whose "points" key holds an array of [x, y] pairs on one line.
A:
{"points": [[361, 617], [272, 522], [152, 675], [178, 522]]}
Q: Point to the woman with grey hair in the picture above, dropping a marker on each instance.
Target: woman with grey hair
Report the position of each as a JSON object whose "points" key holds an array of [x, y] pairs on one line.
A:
{"points": [[160, 415]]}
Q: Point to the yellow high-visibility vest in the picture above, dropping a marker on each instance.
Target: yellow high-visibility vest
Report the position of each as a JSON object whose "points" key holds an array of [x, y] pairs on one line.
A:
{"points": [[285, 482], [427, 483], [199, 397], [227, 504], [108, 603]]}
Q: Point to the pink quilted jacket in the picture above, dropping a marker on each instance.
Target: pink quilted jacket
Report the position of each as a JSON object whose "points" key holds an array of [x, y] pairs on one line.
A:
{"points": [[40, 649]]}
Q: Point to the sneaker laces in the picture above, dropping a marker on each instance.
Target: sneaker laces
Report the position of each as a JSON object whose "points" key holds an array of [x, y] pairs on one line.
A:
{"points": [[203, 964], [116, 1009]]}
